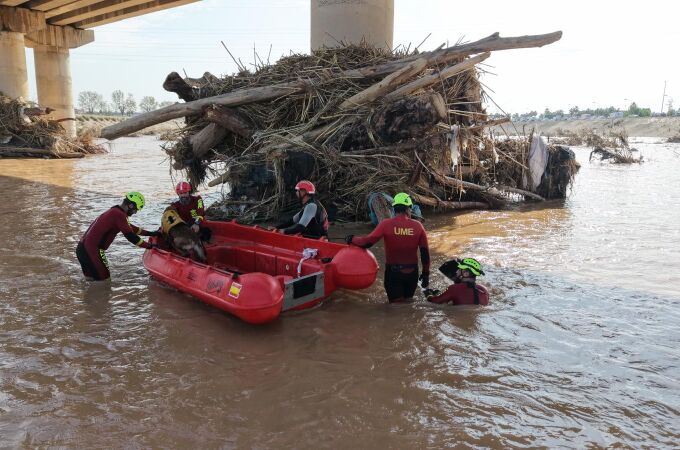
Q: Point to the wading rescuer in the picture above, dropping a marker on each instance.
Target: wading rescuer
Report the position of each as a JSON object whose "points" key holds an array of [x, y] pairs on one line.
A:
{"points": [[403, 237], [312, 219], [100, 235], [190, 208], [464, 290]]}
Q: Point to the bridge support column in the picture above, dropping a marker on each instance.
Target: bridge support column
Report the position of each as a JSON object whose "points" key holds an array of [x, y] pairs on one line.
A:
{"points": [[351, 21], [13, 74], [53, 69], [53, 80]]}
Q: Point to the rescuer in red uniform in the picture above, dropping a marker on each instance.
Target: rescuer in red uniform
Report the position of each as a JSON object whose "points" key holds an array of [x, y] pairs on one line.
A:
{"points": [[99, 236], [403, 237], [190, 208], [465, 290]]}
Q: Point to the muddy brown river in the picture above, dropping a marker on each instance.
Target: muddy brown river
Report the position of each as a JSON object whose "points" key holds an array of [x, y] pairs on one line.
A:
{"points": [[580, 347]]}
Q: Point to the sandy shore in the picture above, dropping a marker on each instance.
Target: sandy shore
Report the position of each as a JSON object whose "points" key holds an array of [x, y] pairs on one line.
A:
{"points": [[634, 126], [94, 124]]}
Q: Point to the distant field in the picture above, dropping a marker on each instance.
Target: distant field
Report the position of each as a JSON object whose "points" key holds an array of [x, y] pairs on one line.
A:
{"points": [[663, 127]]}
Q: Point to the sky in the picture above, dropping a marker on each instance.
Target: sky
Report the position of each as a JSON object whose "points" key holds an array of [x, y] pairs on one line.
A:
{"points": [[611, 52]]}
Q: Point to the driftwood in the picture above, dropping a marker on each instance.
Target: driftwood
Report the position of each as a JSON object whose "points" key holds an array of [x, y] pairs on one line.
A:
{"points": [[37, 111], [443, 204], [424, 82], [618, 156], [11, 151], [236, 98], [206, 139], [228, 119], [175, 83], [386, 85], [259, 94]]}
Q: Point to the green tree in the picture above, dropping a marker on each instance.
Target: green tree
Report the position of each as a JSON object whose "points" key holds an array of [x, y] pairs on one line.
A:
{"points": [[118, 101], [89, 100], [130, 104], [148, 103]]}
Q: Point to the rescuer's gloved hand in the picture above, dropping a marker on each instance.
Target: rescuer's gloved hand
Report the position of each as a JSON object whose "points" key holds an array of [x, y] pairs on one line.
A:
{"points": [[424, 279], [348, 238], [155, 233]]}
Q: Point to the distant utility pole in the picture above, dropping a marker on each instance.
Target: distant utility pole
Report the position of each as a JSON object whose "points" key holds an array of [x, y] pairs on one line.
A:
{"points": [[663, 97]]}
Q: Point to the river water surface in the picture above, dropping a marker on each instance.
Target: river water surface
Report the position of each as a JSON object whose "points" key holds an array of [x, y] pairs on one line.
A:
{"points": [[579, 348]]}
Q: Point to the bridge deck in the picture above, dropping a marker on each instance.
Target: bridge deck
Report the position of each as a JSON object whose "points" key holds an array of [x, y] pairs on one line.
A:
{"points": [[93, 13]]}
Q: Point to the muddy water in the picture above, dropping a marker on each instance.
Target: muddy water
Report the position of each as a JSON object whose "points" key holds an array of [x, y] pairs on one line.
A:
{"points": [[579, 348]]}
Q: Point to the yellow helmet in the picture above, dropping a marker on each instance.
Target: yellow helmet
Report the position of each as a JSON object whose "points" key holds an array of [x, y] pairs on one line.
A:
{"points": [[402, 198], [136, 198]]}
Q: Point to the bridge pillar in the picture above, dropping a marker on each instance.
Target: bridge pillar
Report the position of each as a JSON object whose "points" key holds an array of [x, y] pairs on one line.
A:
{"points": [[13, 74], [14, 24], [53, 80], [351, 21], [53, 69]]}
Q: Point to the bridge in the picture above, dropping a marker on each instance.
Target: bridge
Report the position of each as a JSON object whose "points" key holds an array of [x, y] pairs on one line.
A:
{"points": [[53, 27]]}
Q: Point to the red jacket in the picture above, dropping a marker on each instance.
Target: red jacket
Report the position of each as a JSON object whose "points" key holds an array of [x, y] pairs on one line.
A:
{"points": [[403, 237], [104, 229], [192, 211], [462, 294]]}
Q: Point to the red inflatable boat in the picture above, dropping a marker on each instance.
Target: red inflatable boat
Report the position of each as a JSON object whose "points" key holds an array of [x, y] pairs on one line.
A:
{"points": [[256, 274]]}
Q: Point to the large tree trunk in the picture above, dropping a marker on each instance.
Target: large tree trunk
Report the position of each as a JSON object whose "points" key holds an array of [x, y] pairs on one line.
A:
{"points": [[206, 139], [240, 97], [229, 119]]}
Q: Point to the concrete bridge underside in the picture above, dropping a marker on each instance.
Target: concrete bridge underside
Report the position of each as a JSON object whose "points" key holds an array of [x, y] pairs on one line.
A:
{"points": [[52, 28]]}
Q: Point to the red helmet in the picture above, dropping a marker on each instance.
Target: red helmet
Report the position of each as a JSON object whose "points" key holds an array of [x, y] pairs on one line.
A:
{"points": [[306, 185], [183, 188]]}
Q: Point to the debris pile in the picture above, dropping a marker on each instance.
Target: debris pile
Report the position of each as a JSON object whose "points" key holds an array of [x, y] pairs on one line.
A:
{"points": [[354, 120], [26, 131]]}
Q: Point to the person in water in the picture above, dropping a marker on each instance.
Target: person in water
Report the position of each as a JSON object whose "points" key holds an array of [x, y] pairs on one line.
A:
{"points": [[190, 209], [464, 290], [101, 233], [312, 219], [403, 238]]}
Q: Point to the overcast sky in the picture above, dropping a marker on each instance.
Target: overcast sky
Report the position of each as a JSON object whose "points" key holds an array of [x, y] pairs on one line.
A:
{"points": [[611, 53]]}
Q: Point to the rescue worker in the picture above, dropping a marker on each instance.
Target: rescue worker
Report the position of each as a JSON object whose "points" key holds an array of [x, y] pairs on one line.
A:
{"points": [[99, 236], [190, 209], [312, 219], [465, 290], [403, 237]]}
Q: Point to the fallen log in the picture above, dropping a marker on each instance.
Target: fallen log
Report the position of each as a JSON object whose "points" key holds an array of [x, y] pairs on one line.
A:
{"points": [[206, 139], [424, 82], [386, 85], [25, 152], [235, 98], [253, 95], [228, 119], [436, 203], [37, 111]]}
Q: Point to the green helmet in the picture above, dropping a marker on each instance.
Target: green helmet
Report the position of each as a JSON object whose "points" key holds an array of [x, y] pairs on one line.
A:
{"points": [[136, 198], [472, 265], [402, 198]]}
